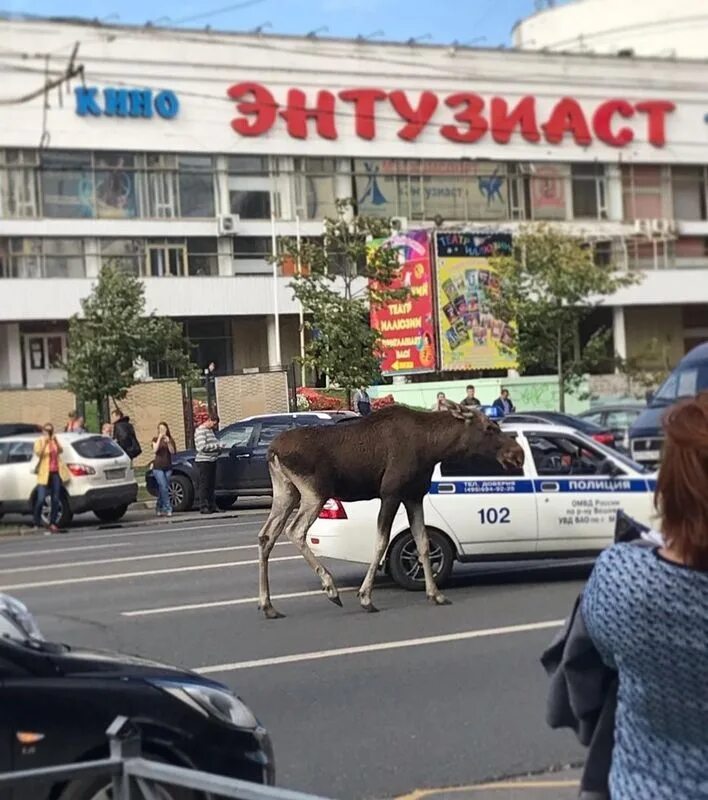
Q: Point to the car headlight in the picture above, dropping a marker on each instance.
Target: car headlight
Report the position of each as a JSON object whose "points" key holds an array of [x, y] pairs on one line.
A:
{"points": [[212, 702]]}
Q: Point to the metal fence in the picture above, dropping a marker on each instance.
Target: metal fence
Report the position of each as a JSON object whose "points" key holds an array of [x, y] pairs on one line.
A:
{"points": [[136, 778]]}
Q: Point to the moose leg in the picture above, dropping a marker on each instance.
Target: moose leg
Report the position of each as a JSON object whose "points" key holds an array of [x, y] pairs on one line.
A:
{"points": [[414, 509], [285, 498], [387, 512], [310, 506]]}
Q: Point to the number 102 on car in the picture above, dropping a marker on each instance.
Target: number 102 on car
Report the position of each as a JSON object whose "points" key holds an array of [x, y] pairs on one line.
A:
{"points": [[494, 516]]}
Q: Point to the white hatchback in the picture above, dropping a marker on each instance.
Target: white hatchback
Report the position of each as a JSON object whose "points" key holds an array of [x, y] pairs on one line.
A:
{"points": [[102, 478], [563, 504]]}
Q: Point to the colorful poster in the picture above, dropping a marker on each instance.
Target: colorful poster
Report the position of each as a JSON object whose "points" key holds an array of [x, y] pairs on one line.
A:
{"points": [[407, 327], [470, 336]]}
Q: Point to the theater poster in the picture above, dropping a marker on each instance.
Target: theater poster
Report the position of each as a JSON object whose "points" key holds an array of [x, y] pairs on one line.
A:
{"points": [[407, 327], [471, 337]]}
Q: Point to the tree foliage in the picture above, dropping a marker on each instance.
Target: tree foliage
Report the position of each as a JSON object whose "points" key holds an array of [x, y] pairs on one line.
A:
{"points": [[548, 285], [343, 274], [113, 334]]}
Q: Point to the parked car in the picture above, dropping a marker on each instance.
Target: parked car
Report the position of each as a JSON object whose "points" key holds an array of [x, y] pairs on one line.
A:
{"points": [[102, 479], [617, 417], [242, 468], [599, 433], [58, 702], [688, 379], [17, 428], [562, 504]]}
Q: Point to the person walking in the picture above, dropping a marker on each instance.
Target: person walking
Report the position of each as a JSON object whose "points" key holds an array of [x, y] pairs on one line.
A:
{"points": [[124, 434], [51, 475], [503, 403], [439, 404], [163, 446], [79, 424], [362, 402], [469, 399], [70, 422], [208, 449], [646, 611]]}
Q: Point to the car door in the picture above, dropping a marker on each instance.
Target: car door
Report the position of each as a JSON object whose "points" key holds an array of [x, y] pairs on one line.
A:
{"points": [[577, 500], [488, 509], [266, 432], [232, 475], [17, 481]]}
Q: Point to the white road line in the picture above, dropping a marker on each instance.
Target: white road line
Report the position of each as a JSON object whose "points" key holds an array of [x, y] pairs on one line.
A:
{"points": [[51, 550], [148, 612], [174, 528], [141, 574], [373, 648], [149, 556]]}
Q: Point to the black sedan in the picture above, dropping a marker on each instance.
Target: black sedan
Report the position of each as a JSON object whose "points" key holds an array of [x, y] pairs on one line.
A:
{"points": [[597, 432], [242, 468], [58, 702]]}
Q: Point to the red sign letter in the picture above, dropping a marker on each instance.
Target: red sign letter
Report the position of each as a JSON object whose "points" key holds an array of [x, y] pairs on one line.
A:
{"points": [[364, 109], [296, 114], [417, 118], [471, 115], [567, 117], [263, 107], [657, 111], [503, 122], [602, 123]]}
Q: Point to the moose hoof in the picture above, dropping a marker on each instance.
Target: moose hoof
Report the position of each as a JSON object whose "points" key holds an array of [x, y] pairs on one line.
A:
{"points": [[439, 600], [271, 613], [370, 608], [336, 600]]}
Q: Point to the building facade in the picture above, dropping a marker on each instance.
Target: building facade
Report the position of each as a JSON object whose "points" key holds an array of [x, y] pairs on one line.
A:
{"points": [[181, 156]]}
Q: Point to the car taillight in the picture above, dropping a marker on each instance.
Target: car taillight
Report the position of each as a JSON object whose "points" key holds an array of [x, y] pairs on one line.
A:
{"points": [[80, 470], [607, 439], [333, 509]]}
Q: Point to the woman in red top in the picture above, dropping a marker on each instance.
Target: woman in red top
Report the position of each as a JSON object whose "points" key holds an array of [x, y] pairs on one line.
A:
{"points": [[163, 446], [51, 475]]}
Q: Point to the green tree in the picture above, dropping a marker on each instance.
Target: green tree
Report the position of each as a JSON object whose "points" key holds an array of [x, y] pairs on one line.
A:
{"points": [[113, 334], [549, 284], [344, 273]]}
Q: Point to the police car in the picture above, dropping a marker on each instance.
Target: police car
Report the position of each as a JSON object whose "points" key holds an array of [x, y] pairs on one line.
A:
{"points": [[562, 504]]}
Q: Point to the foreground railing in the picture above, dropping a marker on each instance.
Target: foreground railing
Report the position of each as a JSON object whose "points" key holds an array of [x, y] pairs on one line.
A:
{"points": [[137, 778]]}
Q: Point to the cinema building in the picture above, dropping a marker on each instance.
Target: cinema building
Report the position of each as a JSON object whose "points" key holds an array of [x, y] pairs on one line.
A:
{"points": [[180, 155]]}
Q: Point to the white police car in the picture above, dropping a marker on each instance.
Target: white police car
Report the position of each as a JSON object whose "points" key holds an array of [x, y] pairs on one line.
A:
{"points": [[563, 504]]}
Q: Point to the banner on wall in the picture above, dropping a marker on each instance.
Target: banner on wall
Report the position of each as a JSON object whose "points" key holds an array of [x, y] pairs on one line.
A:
{"points": [[470, 336], [407, 327]]}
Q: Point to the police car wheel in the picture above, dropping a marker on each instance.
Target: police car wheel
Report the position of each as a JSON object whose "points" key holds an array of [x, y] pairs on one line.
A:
{"points": [[406, 569]]}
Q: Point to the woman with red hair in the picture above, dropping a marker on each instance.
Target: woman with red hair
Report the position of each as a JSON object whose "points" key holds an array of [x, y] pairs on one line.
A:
{"points": [[646, 611]]}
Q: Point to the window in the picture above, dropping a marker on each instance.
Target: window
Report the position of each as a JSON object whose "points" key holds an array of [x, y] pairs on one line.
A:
{"points": [[19, 183], [269, 430], [476, 467], [35, 346], [55, 351], [251, 254], [162, 186], [20, 452], [202, 256], [67, 185], [315, 187], [116, 196], [560, 455], [548, 190], [166, 260], [250, 187], [196, 186], [642, 188], [97, 447], [63, 258], [127, 255], [236, 435], [25, 258], [588, 191], [689, 191], [620, 419]]}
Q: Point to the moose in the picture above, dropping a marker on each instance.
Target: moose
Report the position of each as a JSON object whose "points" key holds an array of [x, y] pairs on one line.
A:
{"points": [[389, 455]]}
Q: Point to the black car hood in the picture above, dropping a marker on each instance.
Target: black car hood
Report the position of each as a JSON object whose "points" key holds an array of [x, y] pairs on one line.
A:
{"points": [[80, 661], [648, 423], [184, 455]]}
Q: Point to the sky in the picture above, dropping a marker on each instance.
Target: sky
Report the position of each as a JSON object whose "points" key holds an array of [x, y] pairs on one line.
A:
{"points": [[478, 22]]}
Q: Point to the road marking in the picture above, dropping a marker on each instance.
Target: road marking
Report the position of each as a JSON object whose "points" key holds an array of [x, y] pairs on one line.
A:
{"points": [[419, 794], [147, 612], [141, 574], [380, 646], [174, 528], [51, 550], [98, 561]]}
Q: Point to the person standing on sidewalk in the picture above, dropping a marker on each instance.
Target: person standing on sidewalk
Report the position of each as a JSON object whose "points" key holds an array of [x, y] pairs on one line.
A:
{"points": [[163, 446], [124, 434], [208, 449], [51, 476]]}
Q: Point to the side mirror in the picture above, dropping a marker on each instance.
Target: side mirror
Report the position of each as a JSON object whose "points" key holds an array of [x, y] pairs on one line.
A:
{"points": [[649, 395]]}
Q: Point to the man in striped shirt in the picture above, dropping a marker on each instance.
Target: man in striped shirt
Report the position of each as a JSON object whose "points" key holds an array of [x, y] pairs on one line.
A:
{"points": [[208, 449]]}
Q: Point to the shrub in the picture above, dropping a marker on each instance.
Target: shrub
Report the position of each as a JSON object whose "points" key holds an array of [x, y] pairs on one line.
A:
{"points": [[316, 401], [382, 402]]}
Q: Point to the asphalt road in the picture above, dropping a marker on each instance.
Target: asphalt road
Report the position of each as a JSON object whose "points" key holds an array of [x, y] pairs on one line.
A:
{"points": [[359, 706]]}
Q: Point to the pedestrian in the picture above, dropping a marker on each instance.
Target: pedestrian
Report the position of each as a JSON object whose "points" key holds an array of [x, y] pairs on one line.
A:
{"points": [[124, 434], [79, 424], [70, 422], [208, 449], [362, 402], [163, 446], [469, 399], [51, 475], [645, 610], [210, 386], [503, 403], [440, 401], [107, 430]]}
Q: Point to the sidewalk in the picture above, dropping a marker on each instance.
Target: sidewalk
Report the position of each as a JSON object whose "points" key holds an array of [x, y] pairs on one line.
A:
{"points": [[561, 785]]}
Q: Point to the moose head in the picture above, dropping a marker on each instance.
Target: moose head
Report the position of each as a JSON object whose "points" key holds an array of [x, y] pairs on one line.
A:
{"points": [[482, 436]]}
